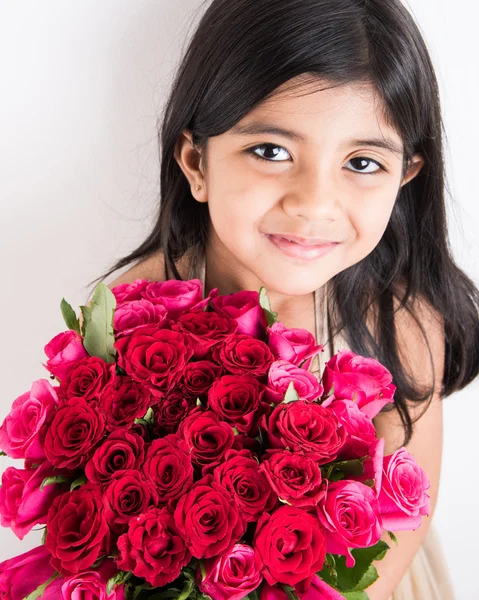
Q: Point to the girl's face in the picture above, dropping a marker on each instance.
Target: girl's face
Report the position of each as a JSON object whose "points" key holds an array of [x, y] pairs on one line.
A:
{"points": [[300, 189]]}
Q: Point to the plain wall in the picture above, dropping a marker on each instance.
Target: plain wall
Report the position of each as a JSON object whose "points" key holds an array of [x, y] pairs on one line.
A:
{"points": [[82, 83]]}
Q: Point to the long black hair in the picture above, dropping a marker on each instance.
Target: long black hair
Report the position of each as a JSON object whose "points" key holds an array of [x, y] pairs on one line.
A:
{"points": [[241, 51]]}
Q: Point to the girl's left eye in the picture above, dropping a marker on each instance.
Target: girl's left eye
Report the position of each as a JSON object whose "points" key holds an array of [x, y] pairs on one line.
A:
{"points": [[271, 152]]}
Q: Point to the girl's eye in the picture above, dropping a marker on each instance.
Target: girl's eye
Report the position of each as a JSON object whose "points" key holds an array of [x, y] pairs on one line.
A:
{"points": [[270, 154], [362, 163]]}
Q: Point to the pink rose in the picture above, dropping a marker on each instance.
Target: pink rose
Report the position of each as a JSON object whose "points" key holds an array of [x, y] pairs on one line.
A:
{"points": [[176, 296], [355, 377], [294, 345], [403, 500], [349, 515], [282, 373], [318, 590], [128, 292], [63, 351], [130, 315], [23, 431], [231, 576], [21, 575], [22, 503], [360, 430], [91, 585], [245, 309]]}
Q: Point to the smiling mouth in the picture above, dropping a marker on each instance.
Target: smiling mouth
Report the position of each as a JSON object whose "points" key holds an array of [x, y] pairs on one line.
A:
{"points": [[301, 248]]}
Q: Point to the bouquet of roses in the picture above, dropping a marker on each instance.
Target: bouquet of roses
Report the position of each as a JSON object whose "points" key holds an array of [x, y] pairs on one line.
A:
{"points": [[184, 450]]}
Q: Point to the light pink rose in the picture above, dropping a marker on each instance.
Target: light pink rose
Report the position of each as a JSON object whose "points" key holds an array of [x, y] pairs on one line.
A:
{"points": [[355, 377], [318, 590], [281, 373], [91, 585], [403, 500], [22, 503], [176, 296], [23, 431], [130, 315], [231, 576], [350, 516], [361, 432], [63, 351], [128, 292], [295, 345], [245, 309]]}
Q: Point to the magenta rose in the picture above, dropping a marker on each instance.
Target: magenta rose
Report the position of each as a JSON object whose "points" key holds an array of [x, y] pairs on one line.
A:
{"points": [[203, 330], [171, 411], [295, 345], [128, 292], [360, 430], [198, 377], [124, 400], [243, 355], [73, 434], [245, 309], [290, 546], [23, 431], [231, 576], [131, 315], [282, 373], [296, 479], [176, 296], [22, 503], [240, 474], [21, 575], [92, 585], [355, 377], [63, 351], [349, 514], [77, 531], [318, 590], [153, 548], [208, 520], [154, 356], [86, 379], [403, 499]]}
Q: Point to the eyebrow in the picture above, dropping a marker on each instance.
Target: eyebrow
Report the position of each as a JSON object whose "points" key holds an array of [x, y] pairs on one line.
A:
{"points": [[258, 128]]}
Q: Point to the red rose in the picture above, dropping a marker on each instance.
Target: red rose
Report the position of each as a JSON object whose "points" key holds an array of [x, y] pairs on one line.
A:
{"points": [[127, 495], [86, 379], [305, 427], [237, 399], [77, 532], [171, 411], [168, 467], [242, 354], [198, 377], [295, 345], [207, 438], [121, 450], [361, 433], [245, 308], [175, 295], [290, 546], [154, 356], [137, 313], [240, 474], [152, 548], [295, 478], [127, 292], [203, 330], [63, 351], [124, 400], [208, 520], [73, 434]]}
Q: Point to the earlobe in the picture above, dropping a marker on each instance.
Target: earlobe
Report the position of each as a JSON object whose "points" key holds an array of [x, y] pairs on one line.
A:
{"points": [[414, 167], [188, 159]]}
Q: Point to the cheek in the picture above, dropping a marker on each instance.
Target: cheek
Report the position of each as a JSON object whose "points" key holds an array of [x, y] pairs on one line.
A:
{"points": [[369, 219]]}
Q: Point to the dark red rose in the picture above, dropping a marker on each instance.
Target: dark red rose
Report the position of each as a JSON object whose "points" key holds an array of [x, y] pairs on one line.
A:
{"points": [[123, 401], [295, 478], [127, 495], [152, 548], [168, 467], [77, 531], [243, 355], [203, 330], [305, 427], [73, 434], [208, 519], [121, 450], [154, 356], [207, 438], [86, 379], [198, 377], [290, 546], [127, 292], [170, 411], [237, 399], [240, 474]]}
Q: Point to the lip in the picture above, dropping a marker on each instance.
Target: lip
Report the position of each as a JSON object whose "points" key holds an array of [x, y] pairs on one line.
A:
{"points": [[299, 247]]}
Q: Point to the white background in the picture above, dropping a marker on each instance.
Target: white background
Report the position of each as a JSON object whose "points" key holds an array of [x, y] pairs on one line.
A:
{"points": [[81, 84]]}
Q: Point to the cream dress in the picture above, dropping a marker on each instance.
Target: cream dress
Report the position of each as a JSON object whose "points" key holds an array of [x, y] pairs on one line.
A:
{"points": [[427, 576]]}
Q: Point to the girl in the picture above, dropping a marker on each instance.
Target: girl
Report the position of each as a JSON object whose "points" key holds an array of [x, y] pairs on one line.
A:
{"points": [[301, 149]]}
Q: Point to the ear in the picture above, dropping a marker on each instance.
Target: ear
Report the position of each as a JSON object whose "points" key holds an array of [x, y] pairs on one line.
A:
{"points": [[189, 160], [414, 167]]}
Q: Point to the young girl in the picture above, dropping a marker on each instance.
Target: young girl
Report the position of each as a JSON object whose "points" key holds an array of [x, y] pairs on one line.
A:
{"points": [[301, 149]]}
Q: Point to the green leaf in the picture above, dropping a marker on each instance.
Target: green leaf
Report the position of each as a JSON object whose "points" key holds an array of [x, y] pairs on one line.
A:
{"points": [[98, 337], [69, 316], [356, 595], [198, 402], [117, 579], [3, 454], [79, 481], [393, 537], [290, 592], [41, 588], [284, 501], [235, 431], [367, 579], [350, 578], [291, 394], [271, 317], [53, 479], [44, 536]]}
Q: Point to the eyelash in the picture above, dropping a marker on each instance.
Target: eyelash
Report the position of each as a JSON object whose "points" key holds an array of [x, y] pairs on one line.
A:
{"points": [[253, 153]]}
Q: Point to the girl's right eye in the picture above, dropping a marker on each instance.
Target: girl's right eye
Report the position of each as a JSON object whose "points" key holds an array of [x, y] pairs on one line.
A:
{"points": [[271, 154]]}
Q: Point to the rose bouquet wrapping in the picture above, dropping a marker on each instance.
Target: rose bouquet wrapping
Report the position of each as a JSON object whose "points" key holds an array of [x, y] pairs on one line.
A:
{"points": [[182, 449]]}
